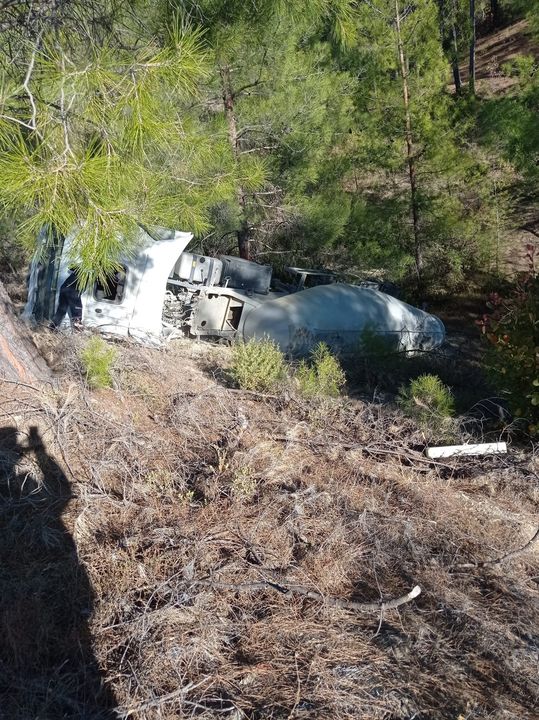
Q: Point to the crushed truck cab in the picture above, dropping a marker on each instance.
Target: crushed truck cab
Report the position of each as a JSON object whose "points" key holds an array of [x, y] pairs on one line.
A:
{"points": [[162, 292]]}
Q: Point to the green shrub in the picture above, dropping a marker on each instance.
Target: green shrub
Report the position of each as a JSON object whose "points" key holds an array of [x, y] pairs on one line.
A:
{"points": [[97, 359], [429, 401], [512, 329], [257, 365], [322, 375]]}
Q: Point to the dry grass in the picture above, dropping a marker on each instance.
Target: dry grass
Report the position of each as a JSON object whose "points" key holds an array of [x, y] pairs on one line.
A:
{"points": [[178, 480]]}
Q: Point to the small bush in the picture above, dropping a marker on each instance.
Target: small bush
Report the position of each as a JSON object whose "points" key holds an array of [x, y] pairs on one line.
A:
{"points": [[97, 359], [512, 329], [244, 484], [322, 376], [429, 401], [257, 365]]}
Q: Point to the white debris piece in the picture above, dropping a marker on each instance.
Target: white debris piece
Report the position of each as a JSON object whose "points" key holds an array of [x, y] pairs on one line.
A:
{"points": [[494, 448]]}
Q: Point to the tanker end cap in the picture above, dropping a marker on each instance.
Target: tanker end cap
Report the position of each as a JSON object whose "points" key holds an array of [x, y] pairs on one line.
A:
{"points": [[434, 329]]}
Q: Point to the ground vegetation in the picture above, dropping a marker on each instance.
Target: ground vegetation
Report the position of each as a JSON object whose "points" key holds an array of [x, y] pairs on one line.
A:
{"points": [[208, 532], [232, 554]]}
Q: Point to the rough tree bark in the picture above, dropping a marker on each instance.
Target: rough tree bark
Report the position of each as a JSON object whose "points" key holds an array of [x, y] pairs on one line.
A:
{"points": [[410, 157], [20, 360], [243, 233]]}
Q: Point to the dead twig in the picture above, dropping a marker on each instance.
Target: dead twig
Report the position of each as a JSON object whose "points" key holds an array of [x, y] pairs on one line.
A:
{"points": [[234, 391], [20, 384], [341, 603], [405, 453], [158, 701], [503, 558]]}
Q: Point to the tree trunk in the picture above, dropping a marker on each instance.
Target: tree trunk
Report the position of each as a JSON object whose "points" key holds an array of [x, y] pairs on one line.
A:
{"points": [[495, 13], [449, 38], [455, 65], [471, 82], [412, 176], [244, 231], [455, 57], [20, 360]]}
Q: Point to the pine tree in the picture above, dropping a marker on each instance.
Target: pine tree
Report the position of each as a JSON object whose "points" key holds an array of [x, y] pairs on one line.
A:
{"points": [[252, 56], [98, 137], [411, 142]]}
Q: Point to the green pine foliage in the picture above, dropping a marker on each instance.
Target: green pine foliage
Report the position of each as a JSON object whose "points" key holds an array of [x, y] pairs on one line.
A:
{"points": [[512, 330], [97, 359], [321, 375], [507, 125], [429, 402], [290, 107], [449, 170], [99, 143], [285, 123], [257, 365]]}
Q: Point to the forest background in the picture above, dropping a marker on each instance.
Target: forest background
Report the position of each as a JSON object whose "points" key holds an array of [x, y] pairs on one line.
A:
{"points": [[344, 134]]}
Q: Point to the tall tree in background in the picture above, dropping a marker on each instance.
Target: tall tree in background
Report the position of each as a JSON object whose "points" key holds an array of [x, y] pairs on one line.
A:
{"points": [[410, 151], [449, 22], [416, 177], [407, 61], [250, 44], [290, 109], [471, 64]]}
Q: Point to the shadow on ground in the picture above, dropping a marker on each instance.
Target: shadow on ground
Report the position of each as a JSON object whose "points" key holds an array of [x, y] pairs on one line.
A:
{"points": [[47, 667]]}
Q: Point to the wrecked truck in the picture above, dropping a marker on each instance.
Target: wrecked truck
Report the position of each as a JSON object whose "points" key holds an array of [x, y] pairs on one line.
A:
{"points": [[163, 291]]}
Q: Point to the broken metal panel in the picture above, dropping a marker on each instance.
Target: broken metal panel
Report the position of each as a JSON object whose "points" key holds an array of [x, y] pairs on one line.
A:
{"points": [[245, 275], [217, 311], [198, 269], [138, 311], [139, 314]]}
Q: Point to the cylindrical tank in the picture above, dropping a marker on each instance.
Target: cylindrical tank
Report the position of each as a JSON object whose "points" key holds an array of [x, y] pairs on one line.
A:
{"points": [[346, 317]]}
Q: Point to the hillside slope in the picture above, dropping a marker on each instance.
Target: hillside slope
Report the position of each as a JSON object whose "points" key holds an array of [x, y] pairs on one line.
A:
{"points": [[493, 51], [194, 507]]}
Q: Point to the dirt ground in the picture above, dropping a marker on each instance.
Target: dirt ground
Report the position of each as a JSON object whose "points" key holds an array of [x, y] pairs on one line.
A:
{"points": [[495, 49], [175, 548]]}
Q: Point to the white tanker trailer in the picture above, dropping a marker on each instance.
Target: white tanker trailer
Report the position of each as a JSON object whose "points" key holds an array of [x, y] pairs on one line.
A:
{"points": [[163, 291], [344, 317]]}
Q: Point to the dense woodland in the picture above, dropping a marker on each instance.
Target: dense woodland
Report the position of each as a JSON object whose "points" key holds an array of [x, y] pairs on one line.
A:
{"points": [[374, 138], [338, 133]]}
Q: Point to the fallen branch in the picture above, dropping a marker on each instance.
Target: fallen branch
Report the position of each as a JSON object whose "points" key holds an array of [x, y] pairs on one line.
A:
{"points": [[378, 606], [409, 455], [503, 558], [253, 393], [218, 392]]}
